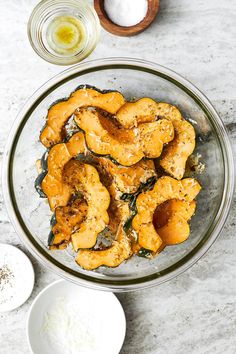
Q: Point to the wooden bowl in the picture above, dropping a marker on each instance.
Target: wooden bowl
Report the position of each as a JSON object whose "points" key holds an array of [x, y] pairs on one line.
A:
{"points": [[107, 24]]}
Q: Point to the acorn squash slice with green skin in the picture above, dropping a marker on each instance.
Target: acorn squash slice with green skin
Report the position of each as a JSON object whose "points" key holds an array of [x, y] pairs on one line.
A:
{"points": [[60, 112], [117, 253], [85, 179], [165, 188], [126, 146], [171, 220], [57, 192], [123, 179], [68, 219], [111, 257], [175, 155]]}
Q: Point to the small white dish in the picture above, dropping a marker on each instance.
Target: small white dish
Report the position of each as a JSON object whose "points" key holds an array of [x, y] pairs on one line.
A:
{"points": [[16, 277], [60, 313]]}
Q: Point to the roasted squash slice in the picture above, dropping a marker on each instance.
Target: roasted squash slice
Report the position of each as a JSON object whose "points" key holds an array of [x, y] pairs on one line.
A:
{"points": [[111, 257], [171, 220], [126, 146], [60, 112], [85, 179], [175, 155], [68, 219], [57, 192], [123, 179], [164, 189], [126, 179], [133, 113], [120, 249]]}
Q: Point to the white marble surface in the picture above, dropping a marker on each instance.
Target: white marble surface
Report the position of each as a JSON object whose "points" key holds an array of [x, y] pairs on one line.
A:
{"points": [[195, 313]]}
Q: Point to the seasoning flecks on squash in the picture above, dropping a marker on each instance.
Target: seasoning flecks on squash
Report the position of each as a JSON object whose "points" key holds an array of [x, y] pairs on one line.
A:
{"points": [[175, 155], [59, 113], [111, 257], [123, 209], [123, 179], [126, 146], [68, 219], [85, 179], [126, 179], [121, 247], [57, 192], [147, 110], [133, 113], [171, 220], [164, 189]]}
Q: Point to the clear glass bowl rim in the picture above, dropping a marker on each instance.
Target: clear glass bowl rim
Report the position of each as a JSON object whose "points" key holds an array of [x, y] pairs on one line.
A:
{"points": [[138, 282]]}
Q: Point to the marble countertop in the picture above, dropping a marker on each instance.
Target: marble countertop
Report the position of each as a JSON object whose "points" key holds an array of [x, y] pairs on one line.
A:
{"points": [[195, 313]]}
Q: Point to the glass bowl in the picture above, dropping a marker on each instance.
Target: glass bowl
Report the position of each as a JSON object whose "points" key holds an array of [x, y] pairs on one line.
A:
{"points": [[48, 11], [30, 215]]}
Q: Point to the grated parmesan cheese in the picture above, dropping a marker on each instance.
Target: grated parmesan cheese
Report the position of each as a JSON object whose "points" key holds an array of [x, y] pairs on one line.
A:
{"points": [[70, 328]]}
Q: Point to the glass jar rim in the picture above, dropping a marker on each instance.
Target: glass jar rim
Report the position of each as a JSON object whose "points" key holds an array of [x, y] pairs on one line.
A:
{"points": [[41, 12]]}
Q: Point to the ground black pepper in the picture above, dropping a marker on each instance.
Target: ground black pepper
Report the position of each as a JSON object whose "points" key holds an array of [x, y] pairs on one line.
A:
{"points": [[6, 277]]}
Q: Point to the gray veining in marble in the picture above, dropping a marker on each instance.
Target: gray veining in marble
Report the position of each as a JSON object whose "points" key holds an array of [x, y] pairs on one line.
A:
{"points": [[195, 313]]}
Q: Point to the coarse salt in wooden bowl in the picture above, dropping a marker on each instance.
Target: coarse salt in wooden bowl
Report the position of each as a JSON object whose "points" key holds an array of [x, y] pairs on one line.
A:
{"points": [[108, 25]]}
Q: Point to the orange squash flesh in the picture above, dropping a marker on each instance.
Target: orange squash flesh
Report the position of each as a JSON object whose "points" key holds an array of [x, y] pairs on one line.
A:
{"points": [[120, 249], [68, 219], [133, 113], [128, 133], [57, 192], [175, 155], [171, 220], [126, 179], [126, 146], [84, 178], [111, 257], [165, 188], [59, 113]]}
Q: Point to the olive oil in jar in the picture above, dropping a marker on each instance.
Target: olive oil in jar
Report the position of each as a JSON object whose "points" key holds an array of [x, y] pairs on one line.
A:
{"points": [[66, 35]]}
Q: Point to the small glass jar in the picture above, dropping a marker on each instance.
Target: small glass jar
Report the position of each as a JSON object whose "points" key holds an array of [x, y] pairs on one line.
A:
{"points": [[49, 11]]}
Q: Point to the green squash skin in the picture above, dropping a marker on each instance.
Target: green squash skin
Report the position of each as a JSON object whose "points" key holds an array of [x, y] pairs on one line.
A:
{"points": [[80, 87], [38, 184], [40, 177], [44, 161], [51, 237], [128, 223], [144, 253], [64, 99], [53, 220], [131, 198], [87, 86]]}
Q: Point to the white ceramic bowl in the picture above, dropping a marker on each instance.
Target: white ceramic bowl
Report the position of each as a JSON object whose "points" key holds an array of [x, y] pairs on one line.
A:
{"points": [[20, 285], [105, 308]]}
